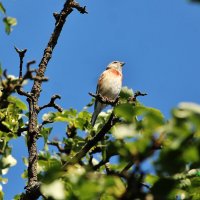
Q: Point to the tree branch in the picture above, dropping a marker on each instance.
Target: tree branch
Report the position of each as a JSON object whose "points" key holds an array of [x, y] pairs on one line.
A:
{"points": [[33, 130], [56, 144], [104, 100], [52, 104], [98, 137], [82, 10], [136, 94], [21, 56]]}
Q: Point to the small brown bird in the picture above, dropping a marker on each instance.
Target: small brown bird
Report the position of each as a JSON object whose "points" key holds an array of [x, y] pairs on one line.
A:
{"points": [[109, 86]]}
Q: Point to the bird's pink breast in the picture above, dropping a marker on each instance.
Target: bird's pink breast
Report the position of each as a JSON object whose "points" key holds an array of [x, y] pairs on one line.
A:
{"points": [[110, 83]]}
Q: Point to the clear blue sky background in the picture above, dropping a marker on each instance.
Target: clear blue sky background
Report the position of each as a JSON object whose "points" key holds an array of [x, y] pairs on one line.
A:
{"points": [[158, 40]]}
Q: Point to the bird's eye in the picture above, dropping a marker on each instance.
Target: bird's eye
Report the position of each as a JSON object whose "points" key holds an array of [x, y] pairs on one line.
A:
{"points": [[115, 62]]}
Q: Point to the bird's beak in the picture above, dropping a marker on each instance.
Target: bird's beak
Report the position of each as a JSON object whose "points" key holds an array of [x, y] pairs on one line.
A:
{"points": [[122, 63]]}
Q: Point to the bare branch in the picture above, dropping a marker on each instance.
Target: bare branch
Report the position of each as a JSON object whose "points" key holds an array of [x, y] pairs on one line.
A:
{"points": [[5, 74], [101, 163], [71, 131], [21, 57], [56, 15], [136, 94], [21, 130], [52, 103], [104, 100], [21, 92], [82, 10], [128, 166], [28, 65], [56, 144], [33, 129]]}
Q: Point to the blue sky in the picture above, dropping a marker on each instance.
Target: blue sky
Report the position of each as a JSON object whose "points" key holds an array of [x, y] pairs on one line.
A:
{"points": [[158, 40]]}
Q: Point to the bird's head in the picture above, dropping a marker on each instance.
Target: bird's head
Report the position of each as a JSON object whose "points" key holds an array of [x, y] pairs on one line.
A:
{"points": [[116, 65]]}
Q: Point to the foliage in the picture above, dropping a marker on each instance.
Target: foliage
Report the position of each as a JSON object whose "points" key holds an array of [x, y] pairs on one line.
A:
{"points": [[140, 134], [9, 22]]}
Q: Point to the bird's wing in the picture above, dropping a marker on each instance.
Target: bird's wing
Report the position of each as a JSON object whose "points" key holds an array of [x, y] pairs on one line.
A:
{"points": [[98, 89]]}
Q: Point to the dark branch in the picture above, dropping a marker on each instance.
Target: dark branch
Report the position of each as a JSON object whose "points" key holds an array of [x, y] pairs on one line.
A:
{"points": [[21, 130], [21, 92], [28, 65], [128, 166], [33, 193], [33, 97], [82, 10], [29, 71], [56, 16], [91, 143], [101, 163], [21, 57], [5, 74], [33, 129], [52, 104], [109, 171], [71, 131], [104, 100], [136, 94], [56, 144]]}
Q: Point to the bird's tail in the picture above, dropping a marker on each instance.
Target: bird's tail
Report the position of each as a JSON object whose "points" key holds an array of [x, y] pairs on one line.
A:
{"points": [[99, 106]]}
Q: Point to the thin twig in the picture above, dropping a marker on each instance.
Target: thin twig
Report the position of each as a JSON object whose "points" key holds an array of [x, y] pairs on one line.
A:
{"points": [[82, 10], [136, 94], [52, 104], [101, 163], [21, 56], [21, 130], [56, 144], [104, 100], [23, 93]]}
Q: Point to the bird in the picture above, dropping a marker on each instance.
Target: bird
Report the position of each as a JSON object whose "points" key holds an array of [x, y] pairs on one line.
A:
{"points": [[109, 86]]}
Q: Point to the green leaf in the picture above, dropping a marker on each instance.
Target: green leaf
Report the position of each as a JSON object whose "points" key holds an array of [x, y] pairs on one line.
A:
{"points": [[45, 132], [17, 197], [24, 175], [151, 179], [9, 22], [2, 9], [21, 105], [1, 71], [3, 180], [126, 92], [191, 154], [66, 115], [125, 110]]}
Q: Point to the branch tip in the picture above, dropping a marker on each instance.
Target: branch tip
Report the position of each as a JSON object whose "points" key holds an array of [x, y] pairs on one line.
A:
{"points": [[20, 52], [52, 103], [82, 10], [56, 16]]}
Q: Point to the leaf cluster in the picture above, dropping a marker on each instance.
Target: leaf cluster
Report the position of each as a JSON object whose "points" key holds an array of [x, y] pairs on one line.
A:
{"points": [[8, 21]]}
